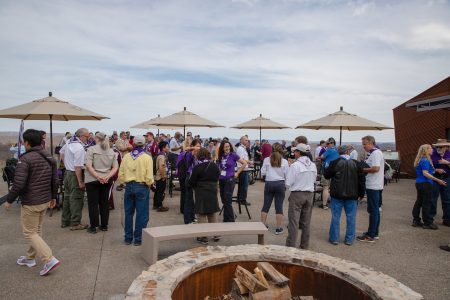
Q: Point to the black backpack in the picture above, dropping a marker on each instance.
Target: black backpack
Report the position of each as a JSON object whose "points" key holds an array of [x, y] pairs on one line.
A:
{"points": [[182, 167]]}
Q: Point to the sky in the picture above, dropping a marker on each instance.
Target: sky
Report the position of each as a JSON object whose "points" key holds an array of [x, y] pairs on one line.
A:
{"points": [[227, 60]]}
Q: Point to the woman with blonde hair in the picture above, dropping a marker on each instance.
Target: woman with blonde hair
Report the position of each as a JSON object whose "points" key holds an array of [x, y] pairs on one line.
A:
{"points": [[275, 168], [101, 166], [424, 186]]}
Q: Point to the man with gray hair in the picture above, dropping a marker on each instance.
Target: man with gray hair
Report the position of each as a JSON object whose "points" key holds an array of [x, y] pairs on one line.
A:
{"points": [[300, 180], [73, 155]]}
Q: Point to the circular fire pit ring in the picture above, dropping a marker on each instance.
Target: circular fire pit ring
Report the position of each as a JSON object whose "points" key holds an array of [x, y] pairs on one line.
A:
{"points": [[208, 271]]}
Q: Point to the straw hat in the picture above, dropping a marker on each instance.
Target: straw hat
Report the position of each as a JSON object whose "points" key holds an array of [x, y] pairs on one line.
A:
{"points": [[441, 142]]}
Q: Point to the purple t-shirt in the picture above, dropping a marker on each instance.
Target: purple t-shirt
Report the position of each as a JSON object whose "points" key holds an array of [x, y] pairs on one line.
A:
{"points": [[227, 164], [435, 157]]}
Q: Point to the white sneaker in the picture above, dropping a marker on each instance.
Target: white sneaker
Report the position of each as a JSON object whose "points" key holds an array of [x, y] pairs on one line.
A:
{"points": [[52, 264], [24, 261]]}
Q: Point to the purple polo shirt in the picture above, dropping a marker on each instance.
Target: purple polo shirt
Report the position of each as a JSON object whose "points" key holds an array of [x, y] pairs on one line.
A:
{"points": [[435, 157], [227, 164]]}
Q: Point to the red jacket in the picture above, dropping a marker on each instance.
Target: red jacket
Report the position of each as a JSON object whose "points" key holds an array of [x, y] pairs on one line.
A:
{"points": [[266, 149]]}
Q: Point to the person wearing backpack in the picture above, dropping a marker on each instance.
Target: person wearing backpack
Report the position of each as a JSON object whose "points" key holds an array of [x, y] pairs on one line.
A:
{"points": [[204, 180], [36, 183], [161, 177]]}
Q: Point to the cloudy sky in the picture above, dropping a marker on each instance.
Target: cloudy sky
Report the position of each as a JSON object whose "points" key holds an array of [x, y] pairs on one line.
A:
{"points": [[227, 60]]}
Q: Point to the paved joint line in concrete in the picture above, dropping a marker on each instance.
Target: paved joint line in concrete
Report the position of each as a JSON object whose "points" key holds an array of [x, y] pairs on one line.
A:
{"points": [[98, 266]]}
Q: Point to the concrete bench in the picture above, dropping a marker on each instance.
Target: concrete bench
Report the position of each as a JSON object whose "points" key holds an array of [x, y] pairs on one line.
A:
{"points": [[152, 236]]}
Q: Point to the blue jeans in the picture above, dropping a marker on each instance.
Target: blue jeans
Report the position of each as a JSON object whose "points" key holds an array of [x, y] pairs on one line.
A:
{"points": [[373, 208], [274, 189], [136, 198], [243, 186], [444, 192], [350, 207]]}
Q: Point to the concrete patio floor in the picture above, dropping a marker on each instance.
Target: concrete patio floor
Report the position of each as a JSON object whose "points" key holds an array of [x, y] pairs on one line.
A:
{"points": [[100, 266]]}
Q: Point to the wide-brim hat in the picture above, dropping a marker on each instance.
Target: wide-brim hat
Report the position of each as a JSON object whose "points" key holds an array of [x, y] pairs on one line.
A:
{"points": [[441, 142]]}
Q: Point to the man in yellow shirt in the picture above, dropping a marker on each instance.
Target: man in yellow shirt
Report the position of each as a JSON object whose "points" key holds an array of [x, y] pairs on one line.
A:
{"points": [[136, 171]]}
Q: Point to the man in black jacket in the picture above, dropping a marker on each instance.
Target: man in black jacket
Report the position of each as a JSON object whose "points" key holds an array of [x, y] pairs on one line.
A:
{"points": [[35, 182], [347, 185]]}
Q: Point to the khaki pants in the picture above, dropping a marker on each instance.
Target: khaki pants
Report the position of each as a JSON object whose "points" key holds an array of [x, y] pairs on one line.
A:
{"points": [[32, 217], [73, 200], [300, 211]]}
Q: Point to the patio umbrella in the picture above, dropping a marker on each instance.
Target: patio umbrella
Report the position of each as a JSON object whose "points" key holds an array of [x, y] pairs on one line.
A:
{"points": [[50, 108], [148, 125], [343, 120], [185, 118], [260, 123]]}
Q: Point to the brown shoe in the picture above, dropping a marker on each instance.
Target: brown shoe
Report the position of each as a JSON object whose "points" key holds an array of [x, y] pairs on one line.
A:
{"points": [[79, 227], [162, 209]]}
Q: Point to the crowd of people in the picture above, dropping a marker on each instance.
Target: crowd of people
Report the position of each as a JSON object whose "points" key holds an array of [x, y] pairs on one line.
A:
{"points": [[207, 170]]}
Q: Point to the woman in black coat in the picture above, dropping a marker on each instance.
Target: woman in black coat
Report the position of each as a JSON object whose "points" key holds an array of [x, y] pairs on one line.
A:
{"points": [[204, 179]]}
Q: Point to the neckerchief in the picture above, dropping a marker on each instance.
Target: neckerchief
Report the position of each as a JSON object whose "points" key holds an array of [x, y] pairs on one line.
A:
{"points": [[136, 152], [345, 156], [75, 139]]}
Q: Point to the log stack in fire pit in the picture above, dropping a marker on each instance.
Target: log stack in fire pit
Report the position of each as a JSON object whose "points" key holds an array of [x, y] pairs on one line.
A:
{"points": [[265, 283]]}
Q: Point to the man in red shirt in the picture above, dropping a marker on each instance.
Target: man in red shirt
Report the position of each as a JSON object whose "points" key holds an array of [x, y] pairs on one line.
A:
{"points": [[266, 149], [152, 146]]}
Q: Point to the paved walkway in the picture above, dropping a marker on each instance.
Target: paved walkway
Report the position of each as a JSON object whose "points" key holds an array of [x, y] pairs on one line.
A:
{"points": [[100, 266]]}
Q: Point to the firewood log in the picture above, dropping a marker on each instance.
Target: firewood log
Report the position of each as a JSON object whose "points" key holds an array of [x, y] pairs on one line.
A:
{"points": [[248, 280], [239, 287], [260, 276], [275, 276], [273, 292]]}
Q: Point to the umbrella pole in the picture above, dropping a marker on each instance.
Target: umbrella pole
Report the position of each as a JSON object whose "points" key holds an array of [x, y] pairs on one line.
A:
{"points": [[158, 131], [260, 134], [184, 130], [51, 134], [340, 136]]}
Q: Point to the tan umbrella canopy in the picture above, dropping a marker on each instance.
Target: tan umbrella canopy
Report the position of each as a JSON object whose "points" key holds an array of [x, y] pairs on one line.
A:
{"points": [[50, 108], [148, 124], [260, 123], [343, 120], [184, 118]]}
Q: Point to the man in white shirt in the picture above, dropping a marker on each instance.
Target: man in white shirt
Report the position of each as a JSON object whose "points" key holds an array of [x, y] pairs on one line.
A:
{"points": [[319, 148], [243, 176], [374, 188], [300, 180], [73, 154]]}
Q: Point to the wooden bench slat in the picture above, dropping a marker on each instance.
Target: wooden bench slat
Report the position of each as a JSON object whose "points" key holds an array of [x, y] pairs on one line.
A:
{"points": [[152, 236]]}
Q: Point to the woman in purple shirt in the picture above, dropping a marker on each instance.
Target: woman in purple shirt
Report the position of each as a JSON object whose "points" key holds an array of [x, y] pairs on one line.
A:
{"points": [[227, 159]]}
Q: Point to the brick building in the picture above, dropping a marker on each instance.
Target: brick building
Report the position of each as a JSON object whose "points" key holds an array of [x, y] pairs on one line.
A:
{"points": [[422, 120]]}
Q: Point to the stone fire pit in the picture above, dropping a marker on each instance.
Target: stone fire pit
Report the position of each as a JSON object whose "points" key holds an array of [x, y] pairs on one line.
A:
{"points": [[208, 271]]}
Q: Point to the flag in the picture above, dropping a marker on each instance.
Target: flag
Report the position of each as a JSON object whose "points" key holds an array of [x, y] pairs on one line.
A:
{"points": [[20, 141]]}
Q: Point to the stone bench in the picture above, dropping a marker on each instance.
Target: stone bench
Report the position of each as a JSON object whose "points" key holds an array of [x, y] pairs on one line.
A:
{"points": [[152, 236]]}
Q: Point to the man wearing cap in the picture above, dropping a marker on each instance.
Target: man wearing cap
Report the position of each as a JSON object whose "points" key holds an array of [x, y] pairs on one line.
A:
{"points": [[151, 147], [374, 188], [347, 185], [327, 157], [136, 171], [300, 180], [441, 164]]}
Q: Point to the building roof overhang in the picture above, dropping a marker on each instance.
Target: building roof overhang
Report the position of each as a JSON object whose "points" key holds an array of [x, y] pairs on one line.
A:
{"points": [[442, 102]]}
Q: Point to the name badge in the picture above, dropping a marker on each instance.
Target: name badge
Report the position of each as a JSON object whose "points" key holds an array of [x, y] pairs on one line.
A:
{"points": [[223, 173]]}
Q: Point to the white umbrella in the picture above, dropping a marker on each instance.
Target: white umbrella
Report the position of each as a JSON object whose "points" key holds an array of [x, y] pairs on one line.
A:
{"points": [[260, 123], [185, 118], [148, 125], [50, 108], [343, 120]]}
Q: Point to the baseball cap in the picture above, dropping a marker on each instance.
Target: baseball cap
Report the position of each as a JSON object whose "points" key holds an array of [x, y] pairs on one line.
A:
{"points": [[139, 140], [302, 147], [343, 149]]}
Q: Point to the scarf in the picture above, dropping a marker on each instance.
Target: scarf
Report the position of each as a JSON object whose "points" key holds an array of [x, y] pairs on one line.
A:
{"points": [[136, 152], [75, 139], [345, 156]]}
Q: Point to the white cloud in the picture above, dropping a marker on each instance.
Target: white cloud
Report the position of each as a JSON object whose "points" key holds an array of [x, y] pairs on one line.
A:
{"points": [[227, 60]]}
